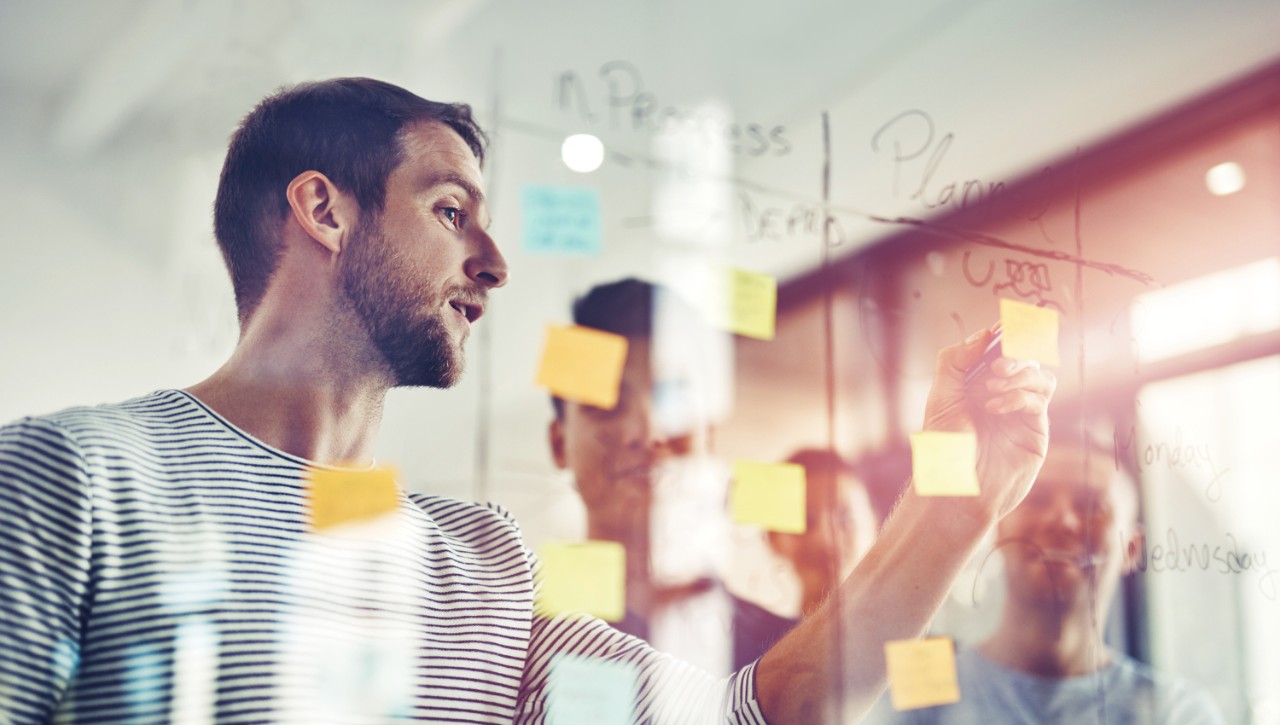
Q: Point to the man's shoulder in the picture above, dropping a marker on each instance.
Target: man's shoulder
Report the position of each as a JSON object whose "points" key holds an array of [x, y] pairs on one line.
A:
{"points": [[69, 428], [1140, 675], [1177, 699], [466, 518], [152, 407], [448, 506], [149, 431]]}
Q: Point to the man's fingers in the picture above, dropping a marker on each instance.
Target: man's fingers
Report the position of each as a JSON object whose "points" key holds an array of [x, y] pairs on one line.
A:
{"points": [[1026, 390], [1018, 401], [954, 361], [1024, 377]]}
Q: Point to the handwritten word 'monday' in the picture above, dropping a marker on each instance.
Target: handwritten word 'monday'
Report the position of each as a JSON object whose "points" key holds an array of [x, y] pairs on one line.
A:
{"points": [[1171, 455]]}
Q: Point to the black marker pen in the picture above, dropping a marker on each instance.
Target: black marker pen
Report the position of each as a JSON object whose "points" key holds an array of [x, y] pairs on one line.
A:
{"points": [[989, 355]]}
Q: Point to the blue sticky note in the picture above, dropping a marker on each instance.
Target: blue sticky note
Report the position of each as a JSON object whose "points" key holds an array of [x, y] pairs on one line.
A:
{"points": [[591, 691], [561, 220]]}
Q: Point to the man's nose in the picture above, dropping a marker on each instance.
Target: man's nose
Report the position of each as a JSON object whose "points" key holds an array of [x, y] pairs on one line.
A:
{"points": [[644, 429], [486, 267], [1063, 515]]}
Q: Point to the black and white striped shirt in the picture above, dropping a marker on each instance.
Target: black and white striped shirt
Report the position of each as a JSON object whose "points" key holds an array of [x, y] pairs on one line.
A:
{"points": [[156, 566]]}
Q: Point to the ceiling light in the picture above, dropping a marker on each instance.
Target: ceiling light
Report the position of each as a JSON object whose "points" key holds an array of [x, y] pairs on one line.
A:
{"points": [[1225, 178], [582, 152]]}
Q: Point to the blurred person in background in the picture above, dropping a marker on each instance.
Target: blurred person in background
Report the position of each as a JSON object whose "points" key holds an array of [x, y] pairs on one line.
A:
{"points": [[647, 479], [1065, 549], [840, 525]]}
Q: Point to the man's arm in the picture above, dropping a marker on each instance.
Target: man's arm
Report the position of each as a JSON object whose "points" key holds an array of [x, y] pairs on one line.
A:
{"points": [[45, 525], [832, 666]]}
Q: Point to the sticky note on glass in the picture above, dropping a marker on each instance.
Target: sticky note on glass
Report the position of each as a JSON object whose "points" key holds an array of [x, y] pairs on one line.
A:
{"points": [[561, 220], [338, 497], [922, 672], [591, 691], [944, 463], [587, 576], [769, 495], [753, 304], [583, 365], [1029, 332]]}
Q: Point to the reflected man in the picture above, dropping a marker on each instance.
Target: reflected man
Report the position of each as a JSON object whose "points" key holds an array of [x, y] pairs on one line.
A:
{"points": [[1065, 549], [633, 464]]}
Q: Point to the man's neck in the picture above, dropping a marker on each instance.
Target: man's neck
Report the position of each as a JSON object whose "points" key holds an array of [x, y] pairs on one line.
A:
{"points": [[302, 396], [1046, 643]]}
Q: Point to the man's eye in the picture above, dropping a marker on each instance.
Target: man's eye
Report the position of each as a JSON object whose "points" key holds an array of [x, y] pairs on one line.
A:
{"points": [[453, 214], [1099, 512]]}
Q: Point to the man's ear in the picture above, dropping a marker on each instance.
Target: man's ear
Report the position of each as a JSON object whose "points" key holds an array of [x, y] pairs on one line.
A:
{"points": [[1133, 544], [555, 438], [321, 209]]}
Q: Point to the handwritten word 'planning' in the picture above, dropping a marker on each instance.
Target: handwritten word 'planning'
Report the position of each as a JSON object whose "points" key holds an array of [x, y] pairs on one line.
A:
{"points": [[631, 106], [909, 135], [1173, 556], [1171, 455]]}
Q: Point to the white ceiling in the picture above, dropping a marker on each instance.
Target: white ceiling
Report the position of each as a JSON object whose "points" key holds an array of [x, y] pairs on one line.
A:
{"points": [[150, 83]]}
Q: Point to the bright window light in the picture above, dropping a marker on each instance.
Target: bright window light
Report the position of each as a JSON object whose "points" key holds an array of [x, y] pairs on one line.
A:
{"points": [[1207, 311], [582, 152], [1225, 178]]}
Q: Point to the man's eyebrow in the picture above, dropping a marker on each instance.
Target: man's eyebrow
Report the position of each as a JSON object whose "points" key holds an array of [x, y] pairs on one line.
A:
{"points": [[458, 180]]}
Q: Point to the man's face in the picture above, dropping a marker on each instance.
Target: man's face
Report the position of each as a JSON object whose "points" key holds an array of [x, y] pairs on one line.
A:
{"points": [[1062, 543], [417, 274], [617, 456]]}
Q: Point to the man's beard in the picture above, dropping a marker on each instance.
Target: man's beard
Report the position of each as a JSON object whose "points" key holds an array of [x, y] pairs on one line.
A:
{"points": [[417, 347]]}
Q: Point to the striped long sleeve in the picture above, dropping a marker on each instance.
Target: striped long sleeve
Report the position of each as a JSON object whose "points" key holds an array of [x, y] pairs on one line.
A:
{"points": [[46, 524], [157, 565]]}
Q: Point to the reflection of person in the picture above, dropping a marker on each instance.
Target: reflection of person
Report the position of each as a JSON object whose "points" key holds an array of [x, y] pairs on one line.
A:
{"points": [[839, 526], [155, 554], [623, 459], [1065, 548]]}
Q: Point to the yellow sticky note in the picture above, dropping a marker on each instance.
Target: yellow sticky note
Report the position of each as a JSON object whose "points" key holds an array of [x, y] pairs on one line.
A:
{"points": [[753, 304], [583, 365], [340, 497], [769, 495], [1029, 332], [589, 577], [944, 463], [922, 672]]}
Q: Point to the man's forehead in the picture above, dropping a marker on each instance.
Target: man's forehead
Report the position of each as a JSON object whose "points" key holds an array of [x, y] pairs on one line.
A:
{"points": [[435, 153], [1077, 468]]}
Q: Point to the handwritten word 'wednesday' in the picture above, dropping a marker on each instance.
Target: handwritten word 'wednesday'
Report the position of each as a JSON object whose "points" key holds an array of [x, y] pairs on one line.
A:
{"points": [[1172, 555]]}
